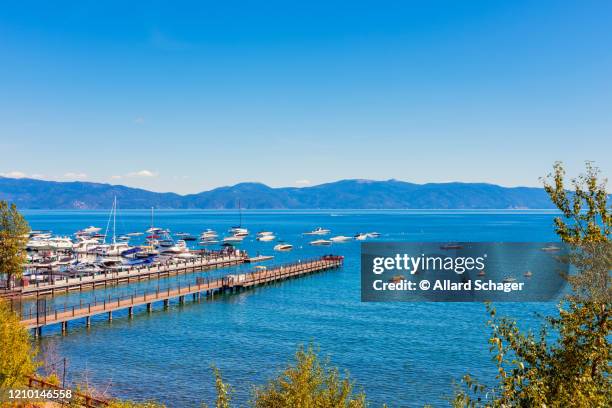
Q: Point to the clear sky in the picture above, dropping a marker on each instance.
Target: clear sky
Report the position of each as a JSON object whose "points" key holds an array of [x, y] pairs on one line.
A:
{"points": [[186, 96]]}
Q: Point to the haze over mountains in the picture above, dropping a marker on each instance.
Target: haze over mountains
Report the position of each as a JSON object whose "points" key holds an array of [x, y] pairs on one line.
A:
{"points": [[343, 194]]}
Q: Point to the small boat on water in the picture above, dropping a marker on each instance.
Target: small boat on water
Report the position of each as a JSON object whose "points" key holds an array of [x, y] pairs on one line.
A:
{"points": [[528, 274], [89, 230], [233, 239], [205, 242], [318, 231], [340, 238], [551, 248], [283, 247], [373, 234], [266, 238], [209, 234], [166, 243], [134, 234], [239, 232], [320, 242], [361, 236], [509, 279]]}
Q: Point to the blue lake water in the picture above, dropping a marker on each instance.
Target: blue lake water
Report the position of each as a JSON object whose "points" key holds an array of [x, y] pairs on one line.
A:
{"points": [[404, 354]]}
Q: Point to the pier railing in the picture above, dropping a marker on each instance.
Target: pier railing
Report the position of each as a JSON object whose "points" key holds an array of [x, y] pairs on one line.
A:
{"points": [[84, 400], [43, 316]]}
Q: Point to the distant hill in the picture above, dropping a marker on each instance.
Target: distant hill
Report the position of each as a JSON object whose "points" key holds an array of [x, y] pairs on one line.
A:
{"points": [[343, 194]]}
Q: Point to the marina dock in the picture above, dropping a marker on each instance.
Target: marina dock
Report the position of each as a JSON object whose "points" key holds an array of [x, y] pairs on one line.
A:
{"points": [[201, 287], [134, 274]]}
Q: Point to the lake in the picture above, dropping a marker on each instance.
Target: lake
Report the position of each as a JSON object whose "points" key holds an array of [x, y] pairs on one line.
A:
{"points": [[404, 354]]}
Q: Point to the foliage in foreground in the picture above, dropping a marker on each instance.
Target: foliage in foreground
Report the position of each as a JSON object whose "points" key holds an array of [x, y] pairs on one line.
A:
{"points": [[17, 355], [14, 231], [568, 363], [308, 383]]}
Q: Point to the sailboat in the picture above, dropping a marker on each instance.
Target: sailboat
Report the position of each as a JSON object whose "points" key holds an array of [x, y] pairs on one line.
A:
{"points": [[115, 248], [238, 231]]}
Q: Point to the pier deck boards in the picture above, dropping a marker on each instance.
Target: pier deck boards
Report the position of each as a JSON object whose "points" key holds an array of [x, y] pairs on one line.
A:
{"points": [[142, 272], [229, 283]]}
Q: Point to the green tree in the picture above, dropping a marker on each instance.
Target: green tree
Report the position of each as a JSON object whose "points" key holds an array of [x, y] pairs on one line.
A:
{"points": [[568, 363], [14, 231], [309, 383], [17, 355]]}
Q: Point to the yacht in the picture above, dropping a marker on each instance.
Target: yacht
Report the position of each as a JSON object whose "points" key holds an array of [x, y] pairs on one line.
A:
{"points": [[319, 242], [283, 247], [208, 234], [89, 231], [318, 231], [114, 249], [84, 246], [166, 243], [340, 238], [179, 248], [239, 231], [60, 243]]}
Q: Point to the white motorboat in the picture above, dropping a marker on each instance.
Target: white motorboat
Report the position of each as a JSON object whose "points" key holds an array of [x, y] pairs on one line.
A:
{"points": [[264, 233], [89, 230], [208, 234], [205, 242], [373, 234], [340, 238], [134, 234], [239, 231], [38, 244], [318, 231], [60, 243], [361, 236], [320, 242], [114, 249], [233, 239], [179, 248], [266, 238], [283, 247]]}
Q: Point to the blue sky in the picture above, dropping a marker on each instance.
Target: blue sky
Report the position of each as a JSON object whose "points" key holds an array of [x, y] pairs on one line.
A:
{"points": [[186, 96]]}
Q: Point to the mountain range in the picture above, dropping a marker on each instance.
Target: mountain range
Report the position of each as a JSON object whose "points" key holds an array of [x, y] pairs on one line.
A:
{"points": [[344, 194]]}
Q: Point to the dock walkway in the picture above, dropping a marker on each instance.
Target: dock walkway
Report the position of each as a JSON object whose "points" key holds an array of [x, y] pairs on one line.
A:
{"points": [[230, 283], [136, 273]]}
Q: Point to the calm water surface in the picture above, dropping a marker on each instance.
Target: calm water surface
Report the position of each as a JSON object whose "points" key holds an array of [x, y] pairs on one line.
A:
{"points": [[404, 354]]}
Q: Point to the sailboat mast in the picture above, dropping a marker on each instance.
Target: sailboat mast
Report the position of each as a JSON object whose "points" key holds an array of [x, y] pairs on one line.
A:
{"points": [[115, 220]]}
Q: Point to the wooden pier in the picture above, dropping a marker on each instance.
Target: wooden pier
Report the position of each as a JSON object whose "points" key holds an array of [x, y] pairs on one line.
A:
{"points": [[202, 287], [134, 274]]}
